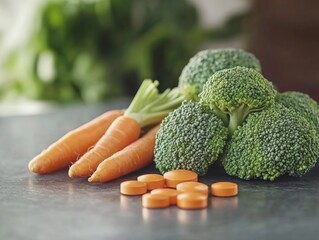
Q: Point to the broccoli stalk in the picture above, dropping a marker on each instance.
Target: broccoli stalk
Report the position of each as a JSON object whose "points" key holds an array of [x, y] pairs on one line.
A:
{"points": [[234, 93], [238, 115]]}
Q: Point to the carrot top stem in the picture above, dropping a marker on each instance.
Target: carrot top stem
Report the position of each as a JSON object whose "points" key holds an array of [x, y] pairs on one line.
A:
{"points": [[149, 106]]}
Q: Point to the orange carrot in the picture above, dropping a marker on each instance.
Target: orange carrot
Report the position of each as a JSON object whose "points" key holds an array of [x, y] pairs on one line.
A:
{"points": [[132, 158], [148, 107], [67, 149], [122, 132]]}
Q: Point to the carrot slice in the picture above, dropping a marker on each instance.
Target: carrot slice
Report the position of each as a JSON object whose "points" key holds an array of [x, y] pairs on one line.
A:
{"points": [[122, 132], [132, 158], [153, 181], [192, 200], [155, 201], [133, 188], [171, 193], [224, 189], [192, 187], [67, 149], [172, 178]]}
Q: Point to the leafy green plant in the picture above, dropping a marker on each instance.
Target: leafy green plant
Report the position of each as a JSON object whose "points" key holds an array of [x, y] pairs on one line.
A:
{"points": [[94, 50]]}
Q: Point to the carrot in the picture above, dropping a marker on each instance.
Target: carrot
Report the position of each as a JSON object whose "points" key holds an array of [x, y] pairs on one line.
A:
{"points": [[72, 145], [122, 132], [132, 158], [148, 107]]}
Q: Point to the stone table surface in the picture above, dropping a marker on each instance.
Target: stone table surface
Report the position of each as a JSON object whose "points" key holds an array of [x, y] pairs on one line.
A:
{"points": [[57, 207]]}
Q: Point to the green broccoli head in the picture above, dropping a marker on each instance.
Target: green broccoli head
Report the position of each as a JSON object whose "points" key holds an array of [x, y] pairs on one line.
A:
{"points": [[272, 143], [303, 104], [235, 92], [191, 137], [205, 63]]}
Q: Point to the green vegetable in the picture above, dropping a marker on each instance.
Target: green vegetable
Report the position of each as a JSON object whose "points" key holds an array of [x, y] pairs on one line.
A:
{"points": [[205, 63], [272, 143], [191, 137], [241, 120], [235, 92], [149, 106], [303, 104]]}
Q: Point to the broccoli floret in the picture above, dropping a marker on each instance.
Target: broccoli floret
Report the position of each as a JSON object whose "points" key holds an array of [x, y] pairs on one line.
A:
{"points": [[191, 137], [205, 63], [303, 104], [235, 92], [271, 143]]}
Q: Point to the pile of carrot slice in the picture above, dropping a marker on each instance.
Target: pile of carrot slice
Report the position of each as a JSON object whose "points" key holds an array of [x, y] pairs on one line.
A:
{"points": [[177, 187]]}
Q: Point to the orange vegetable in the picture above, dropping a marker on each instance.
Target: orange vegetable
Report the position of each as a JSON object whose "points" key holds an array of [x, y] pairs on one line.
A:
{"points": [[171, 193], [134, 157], [172, 178], [122, 132], [67, 149], [153, 181], [148, 107], [192, 187], [155, 201], [224, 189], [133, 188], [192, 200]]}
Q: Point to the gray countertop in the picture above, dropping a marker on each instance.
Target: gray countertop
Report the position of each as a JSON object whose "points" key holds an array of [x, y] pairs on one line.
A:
{"points": [[57, 207]]}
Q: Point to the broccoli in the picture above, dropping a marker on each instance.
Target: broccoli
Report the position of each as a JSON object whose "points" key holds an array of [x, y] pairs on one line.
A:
{"points": [[271, 143], [205, 63], [303, 104], [236, 115], [235, 92], [191, 137]]}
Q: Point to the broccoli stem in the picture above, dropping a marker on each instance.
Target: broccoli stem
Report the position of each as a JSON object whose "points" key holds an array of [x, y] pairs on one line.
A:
{"points": [[238, 116], [219, 113], [234, 120]]}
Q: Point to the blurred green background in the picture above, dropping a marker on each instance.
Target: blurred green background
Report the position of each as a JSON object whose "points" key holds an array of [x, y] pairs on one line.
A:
{"points": [[92, 50], [95, 50]]}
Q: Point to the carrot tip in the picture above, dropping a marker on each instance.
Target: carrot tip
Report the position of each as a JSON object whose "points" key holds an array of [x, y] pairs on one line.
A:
{"points": [[76, 171], [71, 174], [32, 167], [93, 178]]}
